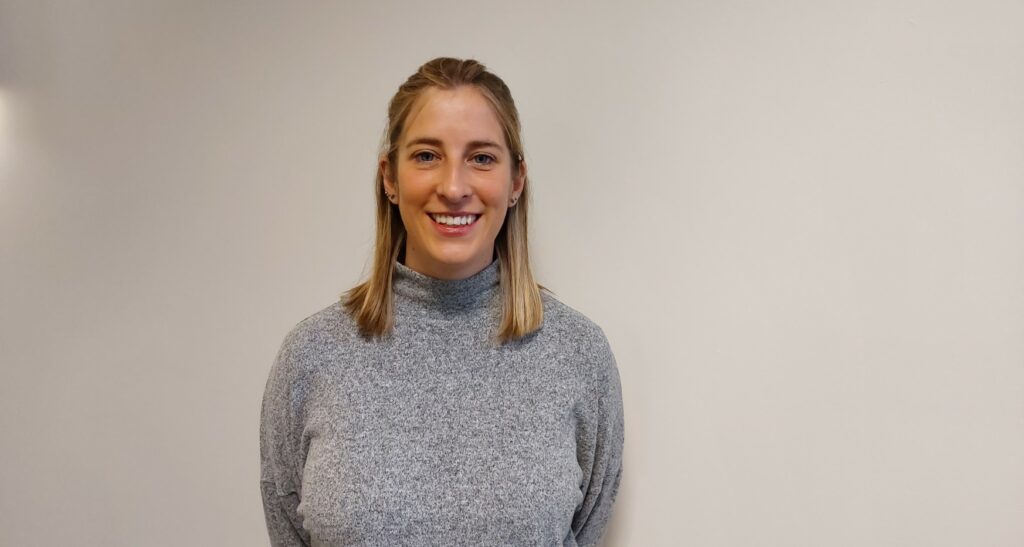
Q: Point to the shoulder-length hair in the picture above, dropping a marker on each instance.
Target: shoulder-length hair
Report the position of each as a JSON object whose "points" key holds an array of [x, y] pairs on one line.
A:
{"points": [[371, 303]]}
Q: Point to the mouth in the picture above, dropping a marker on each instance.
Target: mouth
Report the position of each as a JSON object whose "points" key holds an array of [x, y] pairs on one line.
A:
{"points": [[454, 221]]}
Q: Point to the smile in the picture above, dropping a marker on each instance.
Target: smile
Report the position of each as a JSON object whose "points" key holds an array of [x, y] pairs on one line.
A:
{"points": [[446, 220]]}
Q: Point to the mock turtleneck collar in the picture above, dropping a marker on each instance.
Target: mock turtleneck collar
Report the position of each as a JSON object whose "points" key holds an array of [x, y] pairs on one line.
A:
{"points": [[458, 295]]}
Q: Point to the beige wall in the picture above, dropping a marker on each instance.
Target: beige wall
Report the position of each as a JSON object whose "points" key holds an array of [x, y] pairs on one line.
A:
{"points": [[801, 225]]}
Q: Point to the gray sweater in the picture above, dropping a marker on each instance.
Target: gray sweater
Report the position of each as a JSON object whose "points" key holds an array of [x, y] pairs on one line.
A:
{"points": [[434, 435]]}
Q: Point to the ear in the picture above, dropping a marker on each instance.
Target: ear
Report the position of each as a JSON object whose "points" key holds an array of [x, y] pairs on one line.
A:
{"points": [[519, 180], [387, 173]]}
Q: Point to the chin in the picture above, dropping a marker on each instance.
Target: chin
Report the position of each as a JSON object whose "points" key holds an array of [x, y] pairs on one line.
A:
{"points": [[453, 254], [455, 260]]}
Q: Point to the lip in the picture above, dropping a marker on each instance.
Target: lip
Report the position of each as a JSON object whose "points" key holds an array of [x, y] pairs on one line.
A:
{"points": [[454, 213], [454, 231]]}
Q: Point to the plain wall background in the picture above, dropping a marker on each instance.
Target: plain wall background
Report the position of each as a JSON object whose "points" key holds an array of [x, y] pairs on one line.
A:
{"points": [[800, 224]]}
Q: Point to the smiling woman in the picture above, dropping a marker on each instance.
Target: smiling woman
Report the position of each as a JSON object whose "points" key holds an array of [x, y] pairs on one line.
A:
{"points": [[452, 181], [448, 399]]}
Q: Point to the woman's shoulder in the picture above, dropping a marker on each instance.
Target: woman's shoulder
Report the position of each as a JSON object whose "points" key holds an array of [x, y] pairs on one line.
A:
{"points": [[565, 317], [320, 331], [575, 333], [572, 327]]}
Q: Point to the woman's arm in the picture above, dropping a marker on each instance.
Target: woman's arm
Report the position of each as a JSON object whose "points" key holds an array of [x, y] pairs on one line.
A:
{"points": [[283, 523], [280, 450], [599, 446]]}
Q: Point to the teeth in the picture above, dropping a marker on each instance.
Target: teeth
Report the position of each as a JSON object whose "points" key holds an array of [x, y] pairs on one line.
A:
{"points": [[454, 221]]}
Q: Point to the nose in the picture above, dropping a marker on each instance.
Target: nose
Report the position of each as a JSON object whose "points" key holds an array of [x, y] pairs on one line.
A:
{"points": [[454, 186]]}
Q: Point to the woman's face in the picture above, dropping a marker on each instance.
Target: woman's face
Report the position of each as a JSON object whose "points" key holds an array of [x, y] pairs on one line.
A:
{"points": [[454, 182]]}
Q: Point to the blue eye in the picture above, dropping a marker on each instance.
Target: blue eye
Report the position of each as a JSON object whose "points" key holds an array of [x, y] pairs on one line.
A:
{"points": [[483, 159], [419, 155]]}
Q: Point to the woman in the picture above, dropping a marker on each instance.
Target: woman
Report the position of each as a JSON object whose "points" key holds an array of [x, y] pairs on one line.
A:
{"points": [[446, 400]]}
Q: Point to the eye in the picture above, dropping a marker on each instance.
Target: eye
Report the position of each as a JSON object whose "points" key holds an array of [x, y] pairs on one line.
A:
{"points": [[483, 159], [419, 156]]}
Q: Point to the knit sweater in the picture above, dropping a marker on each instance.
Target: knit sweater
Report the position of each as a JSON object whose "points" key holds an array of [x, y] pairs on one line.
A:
{"points": [[435, 434]]}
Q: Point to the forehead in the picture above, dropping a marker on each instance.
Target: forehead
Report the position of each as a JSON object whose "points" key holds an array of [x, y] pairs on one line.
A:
{"points": [[453, 116]]}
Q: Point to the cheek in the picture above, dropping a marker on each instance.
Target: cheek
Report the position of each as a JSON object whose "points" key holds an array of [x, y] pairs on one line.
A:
{"points": [[409, 210], [414, 192], [498, 216], [496, 192]]}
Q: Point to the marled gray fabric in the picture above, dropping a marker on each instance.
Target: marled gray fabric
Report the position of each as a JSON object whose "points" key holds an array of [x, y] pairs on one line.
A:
{"points": [[436, 436]]}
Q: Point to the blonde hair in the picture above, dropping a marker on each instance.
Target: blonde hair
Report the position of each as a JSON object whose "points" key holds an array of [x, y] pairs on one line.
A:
{"points": [[371, 303]]}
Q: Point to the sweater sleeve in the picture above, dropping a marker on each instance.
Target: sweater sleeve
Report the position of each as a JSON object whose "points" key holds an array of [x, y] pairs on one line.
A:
{"points": [[281, 453], [599, 446]]}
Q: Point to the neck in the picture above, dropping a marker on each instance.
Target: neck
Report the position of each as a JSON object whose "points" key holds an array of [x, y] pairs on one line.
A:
{"points": [[445, 297]]}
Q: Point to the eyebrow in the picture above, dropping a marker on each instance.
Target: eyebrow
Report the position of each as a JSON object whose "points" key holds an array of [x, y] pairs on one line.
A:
{"points": [[437, 142]]}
